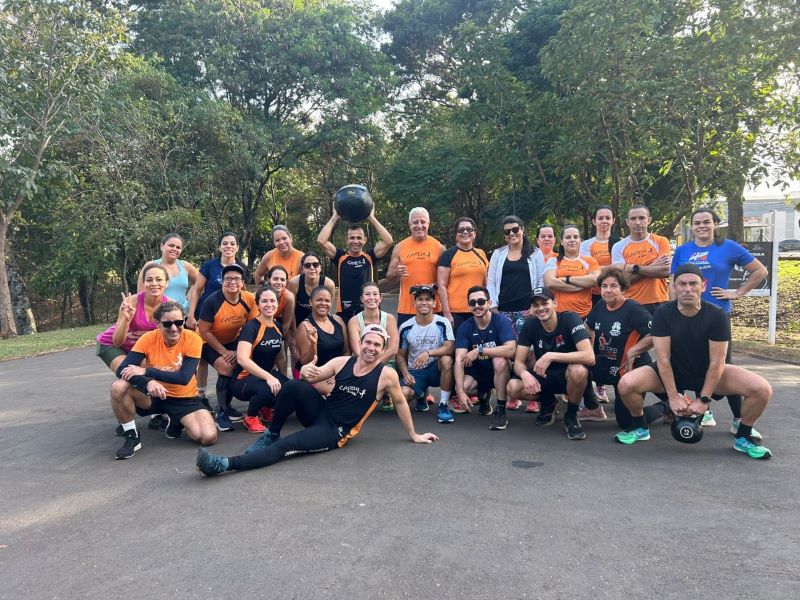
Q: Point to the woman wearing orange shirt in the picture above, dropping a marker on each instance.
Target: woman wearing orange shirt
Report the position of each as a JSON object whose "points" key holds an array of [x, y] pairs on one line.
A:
{"points": [[284, 254], [571, 276]]}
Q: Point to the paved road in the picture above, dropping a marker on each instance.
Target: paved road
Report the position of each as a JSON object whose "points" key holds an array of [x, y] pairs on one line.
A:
{"points": [[523, 513]]}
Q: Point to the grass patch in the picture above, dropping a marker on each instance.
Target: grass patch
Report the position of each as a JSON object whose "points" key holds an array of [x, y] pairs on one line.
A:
{"points": [[49, 341]]}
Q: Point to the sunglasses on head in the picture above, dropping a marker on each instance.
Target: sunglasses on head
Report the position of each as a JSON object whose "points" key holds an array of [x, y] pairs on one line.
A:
{"points": [[511, 230], [168, 324], [465, 229], [477, 302], [311, 265]]}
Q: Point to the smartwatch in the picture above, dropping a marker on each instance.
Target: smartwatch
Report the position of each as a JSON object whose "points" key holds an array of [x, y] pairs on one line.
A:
{"points": [[705, 399]]}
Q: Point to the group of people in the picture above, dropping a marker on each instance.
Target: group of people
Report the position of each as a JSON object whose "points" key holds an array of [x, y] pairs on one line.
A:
{"points": [[529, 323]]}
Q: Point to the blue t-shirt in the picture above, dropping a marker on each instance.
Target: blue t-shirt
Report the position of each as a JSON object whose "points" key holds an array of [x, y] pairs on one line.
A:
{"points": [[498, 332], [715, 262]]}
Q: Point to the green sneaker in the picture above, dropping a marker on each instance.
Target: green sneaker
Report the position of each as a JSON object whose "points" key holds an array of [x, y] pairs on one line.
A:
{"points": [[709, 420], [631, 437], [755, 434], [752, 450]]}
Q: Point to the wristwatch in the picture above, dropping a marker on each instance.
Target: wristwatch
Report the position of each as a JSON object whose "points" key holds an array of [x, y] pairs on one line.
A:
{"points": [[635, 269], [705, 399], [567, 279], [480, 349]]}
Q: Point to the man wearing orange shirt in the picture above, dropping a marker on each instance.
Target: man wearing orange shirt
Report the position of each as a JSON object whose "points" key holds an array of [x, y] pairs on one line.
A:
{"points": [[414, 262], [645, 258]]}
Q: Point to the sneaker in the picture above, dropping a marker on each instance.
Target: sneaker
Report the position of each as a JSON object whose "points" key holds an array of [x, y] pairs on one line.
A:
{"points": [[421, 404], [546, 419], [266, 414], [429, 399], [754, 433], [485, 403], [130, 446], [753, 450], [210, 464], [474, 400], [158, 422], [253, 424], [224, 422], [119, 431], [601, 394], [444, 415], [173, 428], [387, 405], [264, 440], [574, 430], [513, 404], [234, 415], [631, 437], [457, 407], [532, 407], [709, 420], [500, 421], [597, 414]]}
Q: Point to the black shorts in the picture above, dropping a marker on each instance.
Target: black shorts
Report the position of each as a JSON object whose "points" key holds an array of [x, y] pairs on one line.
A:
{"points": [[210, 355], [681, 384], [176, 408], [483, 375]]}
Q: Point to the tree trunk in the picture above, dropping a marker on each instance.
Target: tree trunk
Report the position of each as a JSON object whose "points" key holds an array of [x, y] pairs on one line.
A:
{"points": [[20, 303], [84, 297], [735, 196], [7, 326]]}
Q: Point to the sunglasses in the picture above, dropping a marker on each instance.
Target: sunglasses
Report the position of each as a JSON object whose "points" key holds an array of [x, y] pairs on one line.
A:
{"points": [[314, 265], [169, 324], [511, 231], [477, 302], [465, 229]]}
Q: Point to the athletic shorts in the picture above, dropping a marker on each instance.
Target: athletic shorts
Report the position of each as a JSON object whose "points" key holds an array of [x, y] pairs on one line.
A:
{"points": [[681, 384], [108, 353], [482, 374], [176, 408], [210, 355], [425, 378]]}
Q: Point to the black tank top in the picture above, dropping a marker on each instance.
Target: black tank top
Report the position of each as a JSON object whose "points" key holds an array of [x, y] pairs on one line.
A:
{"points": [[352, 399], [329, 345], [302, 302]]}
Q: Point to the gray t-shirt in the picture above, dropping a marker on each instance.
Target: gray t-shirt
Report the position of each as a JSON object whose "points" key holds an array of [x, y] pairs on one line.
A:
{"points": [[418, 338]]}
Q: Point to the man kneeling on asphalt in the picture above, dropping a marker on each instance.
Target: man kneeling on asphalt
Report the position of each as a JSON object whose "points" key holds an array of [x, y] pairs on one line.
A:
{"points": [[691, 338], [330, 422], [425, 357], [560, 342], [485, 345], [166, 385]]}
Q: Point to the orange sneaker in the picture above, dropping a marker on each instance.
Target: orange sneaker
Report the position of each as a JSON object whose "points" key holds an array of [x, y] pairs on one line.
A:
{"points": [[253, 425]]}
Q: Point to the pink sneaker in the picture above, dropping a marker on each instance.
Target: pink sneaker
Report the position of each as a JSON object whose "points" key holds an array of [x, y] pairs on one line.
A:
{"points": [[473, 400], [597, 414], [513, 404], [429, 399], [253, 425], [266, 414], [532, 407], [601, 394], [457, 407]]}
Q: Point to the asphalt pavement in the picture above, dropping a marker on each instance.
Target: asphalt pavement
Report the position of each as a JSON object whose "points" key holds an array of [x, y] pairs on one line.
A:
{"points": [[522, 513]]}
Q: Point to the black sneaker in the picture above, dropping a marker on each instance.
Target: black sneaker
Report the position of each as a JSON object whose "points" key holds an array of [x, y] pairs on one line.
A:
{"points": [[158, 422], [119, 431], [574, 430], [545, 419], [500, 421], [485, 405], [173, 429], [234, 415], [131, 445]]}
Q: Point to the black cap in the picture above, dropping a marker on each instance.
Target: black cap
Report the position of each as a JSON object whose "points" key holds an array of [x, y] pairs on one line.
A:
{"points": [[424, 288], [542, 292], [233, 267], [688, 268]]}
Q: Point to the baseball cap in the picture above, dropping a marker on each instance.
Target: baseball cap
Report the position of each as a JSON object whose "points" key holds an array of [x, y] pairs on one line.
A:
{"points": [[542, 292]]}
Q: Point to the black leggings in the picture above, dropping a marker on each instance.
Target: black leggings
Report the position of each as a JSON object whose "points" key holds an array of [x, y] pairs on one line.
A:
{"points": [[320, 433], [256, 392]]}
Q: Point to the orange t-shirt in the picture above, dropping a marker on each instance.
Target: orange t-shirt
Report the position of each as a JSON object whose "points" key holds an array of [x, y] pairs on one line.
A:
{"points": [[647, 290], [170, 358], [600, 251], [581, 301], [467, 268], [227, 319], [420, 259], [291, 264]]}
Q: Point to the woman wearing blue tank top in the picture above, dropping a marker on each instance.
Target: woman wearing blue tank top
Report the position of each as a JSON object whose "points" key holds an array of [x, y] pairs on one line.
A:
{"points": [[182, 274]]}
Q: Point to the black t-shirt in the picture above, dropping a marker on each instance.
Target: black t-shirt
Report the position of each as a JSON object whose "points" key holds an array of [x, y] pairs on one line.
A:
{"points": [[689, 337], [353, 272], [614, 332], [515, 286], [266, 342], [569, 330]]}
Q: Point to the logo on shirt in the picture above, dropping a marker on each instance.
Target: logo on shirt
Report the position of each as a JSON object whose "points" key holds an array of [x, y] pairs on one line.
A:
{"points": [[353, 390], [560, 338], [419, 255], [577, 328], [616, 329]]}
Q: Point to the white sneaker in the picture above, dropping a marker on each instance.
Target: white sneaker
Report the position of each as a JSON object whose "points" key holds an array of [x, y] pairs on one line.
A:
{"points": [[708, 419]]}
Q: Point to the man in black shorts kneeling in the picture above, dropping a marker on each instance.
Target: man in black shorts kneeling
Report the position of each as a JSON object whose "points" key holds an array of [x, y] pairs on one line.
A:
{"points": [[330, 422], [560, 343], [691, 338]]}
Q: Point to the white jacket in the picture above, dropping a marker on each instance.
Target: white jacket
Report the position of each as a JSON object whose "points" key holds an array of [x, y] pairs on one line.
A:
{"points": [[495, 277]]}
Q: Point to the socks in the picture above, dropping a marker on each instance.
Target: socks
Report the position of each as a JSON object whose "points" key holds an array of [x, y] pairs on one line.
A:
{"points": [[639, 422], [130, 425], [745, 431], [572, 411], [444, 398]]}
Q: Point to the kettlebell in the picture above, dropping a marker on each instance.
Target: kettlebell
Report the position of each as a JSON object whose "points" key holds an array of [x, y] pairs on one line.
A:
{"points": [[353, 203], [688, 430]]}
